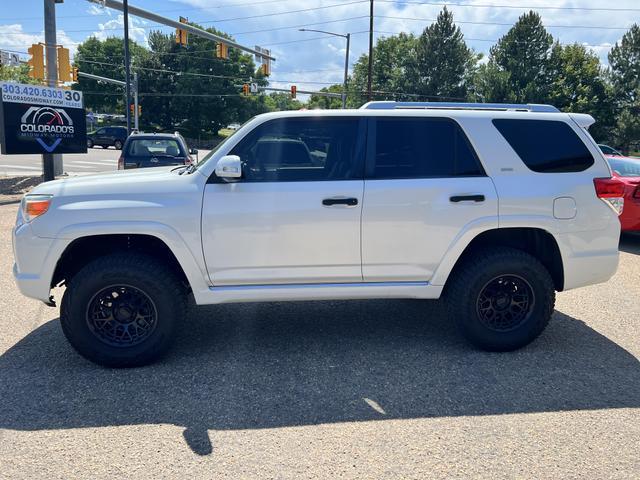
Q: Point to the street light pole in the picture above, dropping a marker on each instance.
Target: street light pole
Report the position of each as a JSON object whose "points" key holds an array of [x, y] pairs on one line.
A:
{"points": [[347, 36]]}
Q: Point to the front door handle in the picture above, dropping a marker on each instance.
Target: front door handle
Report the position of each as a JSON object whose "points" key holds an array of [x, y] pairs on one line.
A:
{"points": [[466, 198], [348, 202]]}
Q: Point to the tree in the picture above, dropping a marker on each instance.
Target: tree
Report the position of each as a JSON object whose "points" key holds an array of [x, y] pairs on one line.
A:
{"points": [[579, 85], [19, 74], [326, 103], [278, 101], [106, 59], [443, 64], [491, 84], [624, 60], [186, 89], [392, 64], [524, 53]]}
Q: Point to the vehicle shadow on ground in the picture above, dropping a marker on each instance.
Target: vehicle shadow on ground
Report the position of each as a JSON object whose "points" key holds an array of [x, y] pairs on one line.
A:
{"points": [[274, 365], [630, 243]]}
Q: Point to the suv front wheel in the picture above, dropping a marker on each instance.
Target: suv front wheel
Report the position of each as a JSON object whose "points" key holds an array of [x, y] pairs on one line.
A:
{"points": [[121, 310], [502, 299]]}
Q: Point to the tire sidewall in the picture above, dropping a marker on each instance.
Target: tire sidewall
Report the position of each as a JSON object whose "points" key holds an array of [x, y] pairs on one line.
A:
{"points": [[82, 290], [539, 281], [89, 143], [118, 145]]}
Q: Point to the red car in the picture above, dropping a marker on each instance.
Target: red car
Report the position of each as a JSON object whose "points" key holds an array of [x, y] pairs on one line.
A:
{"points": [[628, 170]]}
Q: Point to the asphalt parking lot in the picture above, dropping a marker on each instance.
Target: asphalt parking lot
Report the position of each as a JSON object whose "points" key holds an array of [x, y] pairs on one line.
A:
{"points": [[361, 389]]}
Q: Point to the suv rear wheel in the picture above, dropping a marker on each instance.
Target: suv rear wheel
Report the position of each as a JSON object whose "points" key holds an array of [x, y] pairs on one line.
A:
{"points": [[502, 299], [121, 310]]}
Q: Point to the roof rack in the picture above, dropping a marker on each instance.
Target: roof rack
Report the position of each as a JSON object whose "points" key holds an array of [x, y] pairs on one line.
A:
{"points": [[517, 107]]}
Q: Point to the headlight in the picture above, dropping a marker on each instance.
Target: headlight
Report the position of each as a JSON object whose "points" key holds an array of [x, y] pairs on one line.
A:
{"points": [[35, 205]]}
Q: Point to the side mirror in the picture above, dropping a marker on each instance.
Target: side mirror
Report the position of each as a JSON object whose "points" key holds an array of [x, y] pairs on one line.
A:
{"points": [[193, 151], [229, 166]]}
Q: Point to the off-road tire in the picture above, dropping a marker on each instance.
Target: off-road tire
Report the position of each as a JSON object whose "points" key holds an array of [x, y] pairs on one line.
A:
{"points": [[136, 272], [466, 298]]}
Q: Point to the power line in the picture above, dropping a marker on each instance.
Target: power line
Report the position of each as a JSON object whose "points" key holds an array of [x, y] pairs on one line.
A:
{"points": [[599, 27], [520, 7]]}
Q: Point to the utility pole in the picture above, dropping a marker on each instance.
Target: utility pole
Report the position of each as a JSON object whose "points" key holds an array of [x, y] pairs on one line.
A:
{"points": [[135, 101], [127, 64], [51, 163], [369, 94]]}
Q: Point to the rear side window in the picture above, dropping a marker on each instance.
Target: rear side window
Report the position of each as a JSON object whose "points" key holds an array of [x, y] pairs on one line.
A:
{"points": [[421, 148], [546, 146]]}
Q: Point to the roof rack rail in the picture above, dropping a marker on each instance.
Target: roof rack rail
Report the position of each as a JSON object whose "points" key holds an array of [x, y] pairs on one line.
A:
{"points": [[518, 107]]}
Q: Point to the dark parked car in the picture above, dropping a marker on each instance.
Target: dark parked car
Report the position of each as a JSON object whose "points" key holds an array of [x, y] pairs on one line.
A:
{"points": [[107, 137], [142, 150]]}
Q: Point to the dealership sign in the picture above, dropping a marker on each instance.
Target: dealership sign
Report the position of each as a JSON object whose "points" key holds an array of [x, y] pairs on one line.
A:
{"points": [[36, 119]]}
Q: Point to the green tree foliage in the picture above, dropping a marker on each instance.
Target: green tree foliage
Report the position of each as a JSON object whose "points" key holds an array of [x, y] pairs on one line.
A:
{"points": [[524, 53], [393, 61], [579, 85], [279, 101], [624, 60], [19, 74], [443, 64], [491, 84], [186, 89], [326, 103]]}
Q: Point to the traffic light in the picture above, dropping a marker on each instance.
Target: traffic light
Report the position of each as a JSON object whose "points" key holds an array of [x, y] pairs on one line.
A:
{"points": [[222, 50], [245, 89], [74, 74], [294, 91], [132, 109], [265, 68], [64, 66], [36, 62], [181, 35]]}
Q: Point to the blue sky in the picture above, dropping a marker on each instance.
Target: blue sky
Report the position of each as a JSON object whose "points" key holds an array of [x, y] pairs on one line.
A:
{"points": [[310, 60]]}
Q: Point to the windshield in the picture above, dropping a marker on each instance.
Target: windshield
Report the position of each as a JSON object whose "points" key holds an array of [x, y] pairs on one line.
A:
{"points": [[624, 167]]}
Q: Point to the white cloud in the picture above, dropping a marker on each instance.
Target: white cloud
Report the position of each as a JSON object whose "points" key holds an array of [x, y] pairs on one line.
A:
{"points": [[113, 28], [98, 11], [13, 37]]}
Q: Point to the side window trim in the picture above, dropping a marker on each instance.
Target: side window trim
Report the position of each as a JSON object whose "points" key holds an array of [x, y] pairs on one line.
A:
{"points": [[371, 150], [359, 153]]}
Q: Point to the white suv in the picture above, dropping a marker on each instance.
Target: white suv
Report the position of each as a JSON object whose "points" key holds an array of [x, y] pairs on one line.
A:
{"points": [[494, 207]]}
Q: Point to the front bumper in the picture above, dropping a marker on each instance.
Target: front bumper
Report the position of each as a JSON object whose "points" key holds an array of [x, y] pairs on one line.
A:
{"points": [[35, 261]]}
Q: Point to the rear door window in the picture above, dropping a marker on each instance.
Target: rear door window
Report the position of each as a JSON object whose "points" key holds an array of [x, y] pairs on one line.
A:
{"points": [[545, 146], [413, 147]]}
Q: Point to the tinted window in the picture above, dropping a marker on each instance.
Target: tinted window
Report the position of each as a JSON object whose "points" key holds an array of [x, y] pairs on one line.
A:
{"points": [[422, 148], [624, 167], [301, 149], [153, 147], [546, 146]]}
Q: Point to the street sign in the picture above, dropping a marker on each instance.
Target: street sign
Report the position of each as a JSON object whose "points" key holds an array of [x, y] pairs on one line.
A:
{"points": [[37, 119]]}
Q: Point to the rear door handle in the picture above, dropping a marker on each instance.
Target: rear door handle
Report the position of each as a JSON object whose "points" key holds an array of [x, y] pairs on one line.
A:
{"points": [[348, 202], [466, 198]]}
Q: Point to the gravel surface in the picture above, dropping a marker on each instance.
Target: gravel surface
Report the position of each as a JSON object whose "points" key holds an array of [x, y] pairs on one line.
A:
{"points": [[361, 389]]}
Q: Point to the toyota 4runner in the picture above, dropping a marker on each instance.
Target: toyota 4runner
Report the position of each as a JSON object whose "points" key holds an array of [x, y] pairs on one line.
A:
{"points": [[492, 207]]}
